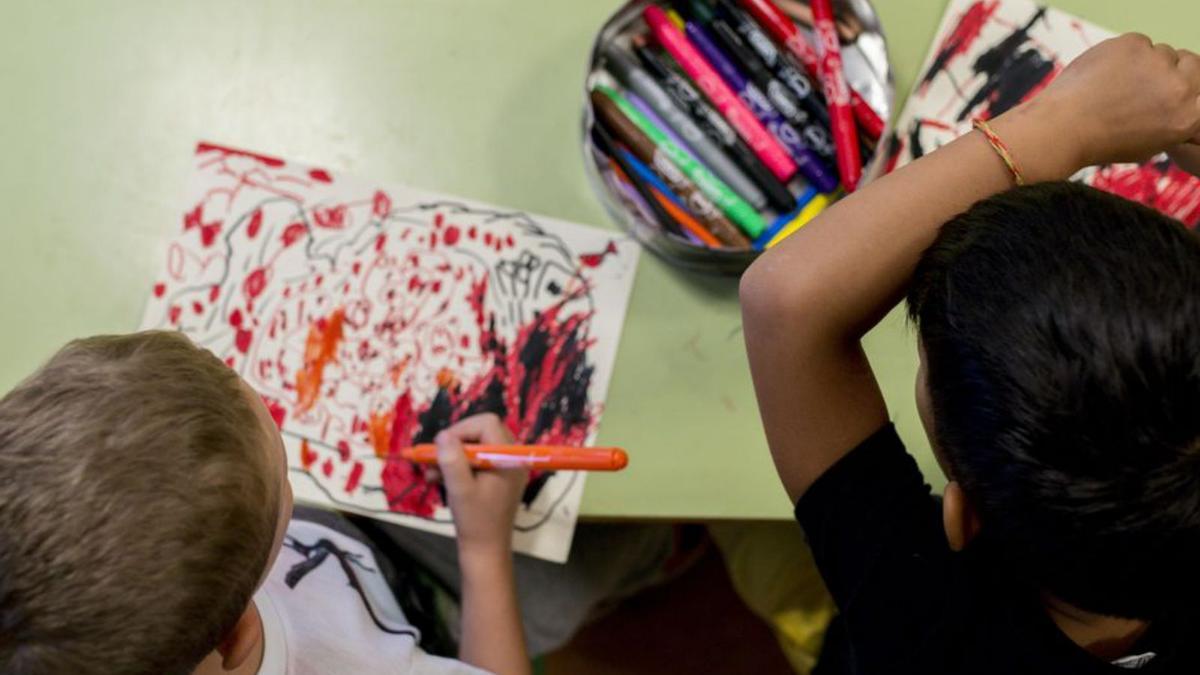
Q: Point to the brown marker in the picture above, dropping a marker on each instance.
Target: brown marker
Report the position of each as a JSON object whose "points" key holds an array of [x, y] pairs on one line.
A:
{"points": [[644, 149]]}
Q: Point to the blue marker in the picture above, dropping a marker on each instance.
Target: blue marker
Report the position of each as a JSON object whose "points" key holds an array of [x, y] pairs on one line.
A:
{"points": [[782, 221], [644, 173], [815, 171]]}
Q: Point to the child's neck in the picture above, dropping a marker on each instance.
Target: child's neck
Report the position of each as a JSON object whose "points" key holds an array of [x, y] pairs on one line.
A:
{"points": [[1105, 637]]}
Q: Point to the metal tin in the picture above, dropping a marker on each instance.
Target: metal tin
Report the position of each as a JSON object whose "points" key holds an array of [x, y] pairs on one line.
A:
{"points": [[868, 70]]}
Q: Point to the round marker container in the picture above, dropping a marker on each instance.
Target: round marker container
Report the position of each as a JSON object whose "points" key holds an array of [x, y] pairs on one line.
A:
{"points": [[721, 209]]}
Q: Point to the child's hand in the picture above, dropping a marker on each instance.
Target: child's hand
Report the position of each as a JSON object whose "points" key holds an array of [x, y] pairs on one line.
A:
{"points": [[1125, 100], [1187, 156], [483, 503]]}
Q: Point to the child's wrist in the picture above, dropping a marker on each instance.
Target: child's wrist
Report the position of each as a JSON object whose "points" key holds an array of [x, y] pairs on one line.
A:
{"points": [[1041, 141], [483, 554], [478, 562]]}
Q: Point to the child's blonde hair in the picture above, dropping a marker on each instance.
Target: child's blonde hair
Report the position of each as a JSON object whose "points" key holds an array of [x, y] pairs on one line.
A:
{"points": [[137, 508]]}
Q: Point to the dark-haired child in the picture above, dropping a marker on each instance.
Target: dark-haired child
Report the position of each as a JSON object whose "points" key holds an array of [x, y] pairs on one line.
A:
{"points": [[1059, 385]]}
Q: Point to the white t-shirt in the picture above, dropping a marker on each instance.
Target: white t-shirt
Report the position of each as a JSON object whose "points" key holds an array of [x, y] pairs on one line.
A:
{"points": [[326, 609]]}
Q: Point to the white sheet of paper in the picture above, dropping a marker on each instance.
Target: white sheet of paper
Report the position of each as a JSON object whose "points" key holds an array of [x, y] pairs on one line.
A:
{"points": [[369, 316], [992, 54]]}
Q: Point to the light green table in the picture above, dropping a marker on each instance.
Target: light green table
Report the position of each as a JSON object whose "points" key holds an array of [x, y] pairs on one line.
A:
{"points": [[101, 103]]}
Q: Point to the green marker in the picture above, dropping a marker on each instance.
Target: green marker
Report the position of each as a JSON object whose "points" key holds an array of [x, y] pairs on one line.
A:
{"points": [[738, 209]]}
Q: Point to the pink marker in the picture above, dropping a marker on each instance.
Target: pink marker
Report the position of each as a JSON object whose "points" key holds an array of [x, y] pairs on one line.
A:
{"points": [[735, 111]]}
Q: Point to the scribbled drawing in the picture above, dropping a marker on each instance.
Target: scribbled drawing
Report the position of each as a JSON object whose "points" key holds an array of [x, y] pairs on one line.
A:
{"points": [[990, 55], [368, 319]]}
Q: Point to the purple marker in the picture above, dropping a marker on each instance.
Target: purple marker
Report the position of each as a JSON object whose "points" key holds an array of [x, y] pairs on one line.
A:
{"points": [[815, 171], [640, 103]]}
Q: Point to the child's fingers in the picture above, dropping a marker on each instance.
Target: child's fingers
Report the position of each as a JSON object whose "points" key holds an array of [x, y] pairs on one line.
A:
{"points": [[1189, 65], [1168, 52], [432, 475], [452, 462], [485, 428]]}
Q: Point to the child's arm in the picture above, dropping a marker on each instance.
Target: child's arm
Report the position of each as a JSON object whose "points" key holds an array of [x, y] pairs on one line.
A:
{"points": [[484, 504], [807, 302]]}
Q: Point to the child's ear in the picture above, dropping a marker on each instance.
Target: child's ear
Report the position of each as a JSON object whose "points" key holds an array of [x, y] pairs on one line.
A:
{"points": [[240, 644], [958, 517]]}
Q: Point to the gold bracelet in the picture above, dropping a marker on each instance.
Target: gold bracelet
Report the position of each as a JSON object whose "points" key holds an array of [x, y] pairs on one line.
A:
{"points": [[1000, 148]]}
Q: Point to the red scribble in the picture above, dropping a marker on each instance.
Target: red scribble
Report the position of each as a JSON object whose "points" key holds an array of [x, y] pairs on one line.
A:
{"points": [[197, 307], [354, 478], [969, 27], [1159, 185], [331, 218], [476, 299], [255, 282], [255, 225], [320, 348], [406, 489], [594, 259], [214, 293], [235, 318], [272, 162], [159, 290], [320, 175], [242, 340], [451, 235], [173, 314], [343, 450], [208, 231], [381, 204], [327, 467], [292, 233], [278, 412], [307, 456]]}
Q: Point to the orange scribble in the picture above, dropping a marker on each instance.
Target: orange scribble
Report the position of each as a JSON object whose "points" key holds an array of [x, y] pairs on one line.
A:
{"points": [[381, 432], [397, 370], [319, 349], [446, 379], [307, 456]]}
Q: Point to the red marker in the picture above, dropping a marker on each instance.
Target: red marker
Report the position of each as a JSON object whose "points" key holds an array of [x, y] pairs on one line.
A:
{"points": [[780, 26], [543, 457], [837, 95], [735, 111]]}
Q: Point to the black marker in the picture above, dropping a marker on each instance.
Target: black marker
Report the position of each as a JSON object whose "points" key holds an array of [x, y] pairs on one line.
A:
{"points": [[760, 43], [715, 127], [815, 135]]}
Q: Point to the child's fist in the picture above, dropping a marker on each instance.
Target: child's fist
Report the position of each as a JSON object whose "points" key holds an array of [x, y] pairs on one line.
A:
{"points": [[1125, 100], [483, 503]]}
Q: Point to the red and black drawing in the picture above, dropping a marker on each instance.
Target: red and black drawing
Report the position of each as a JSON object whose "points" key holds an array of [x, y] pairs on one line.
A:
{"points": [[991, 55], [369, 319]]}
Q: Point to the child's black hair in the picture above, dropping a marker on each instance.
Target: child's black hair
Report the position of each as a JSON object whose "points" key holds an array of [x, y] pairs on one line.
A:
{"points": [[1061, 331]]}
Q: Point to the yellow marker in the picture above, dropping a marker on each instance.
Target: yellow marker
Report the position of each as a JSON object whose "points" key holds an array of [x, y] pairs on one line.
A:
{"points": [[675, 18], [810, 211]]}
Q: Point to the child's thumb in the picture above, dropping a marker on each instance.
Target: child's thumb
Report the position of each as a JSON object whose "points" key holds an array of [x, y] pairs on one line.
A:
{"points": [[452, 460]]}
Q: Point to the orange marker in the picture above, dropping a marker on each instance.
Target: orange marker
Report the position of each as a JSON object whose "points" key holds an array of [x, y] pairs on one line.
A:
{"points": [[546, 457]]}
